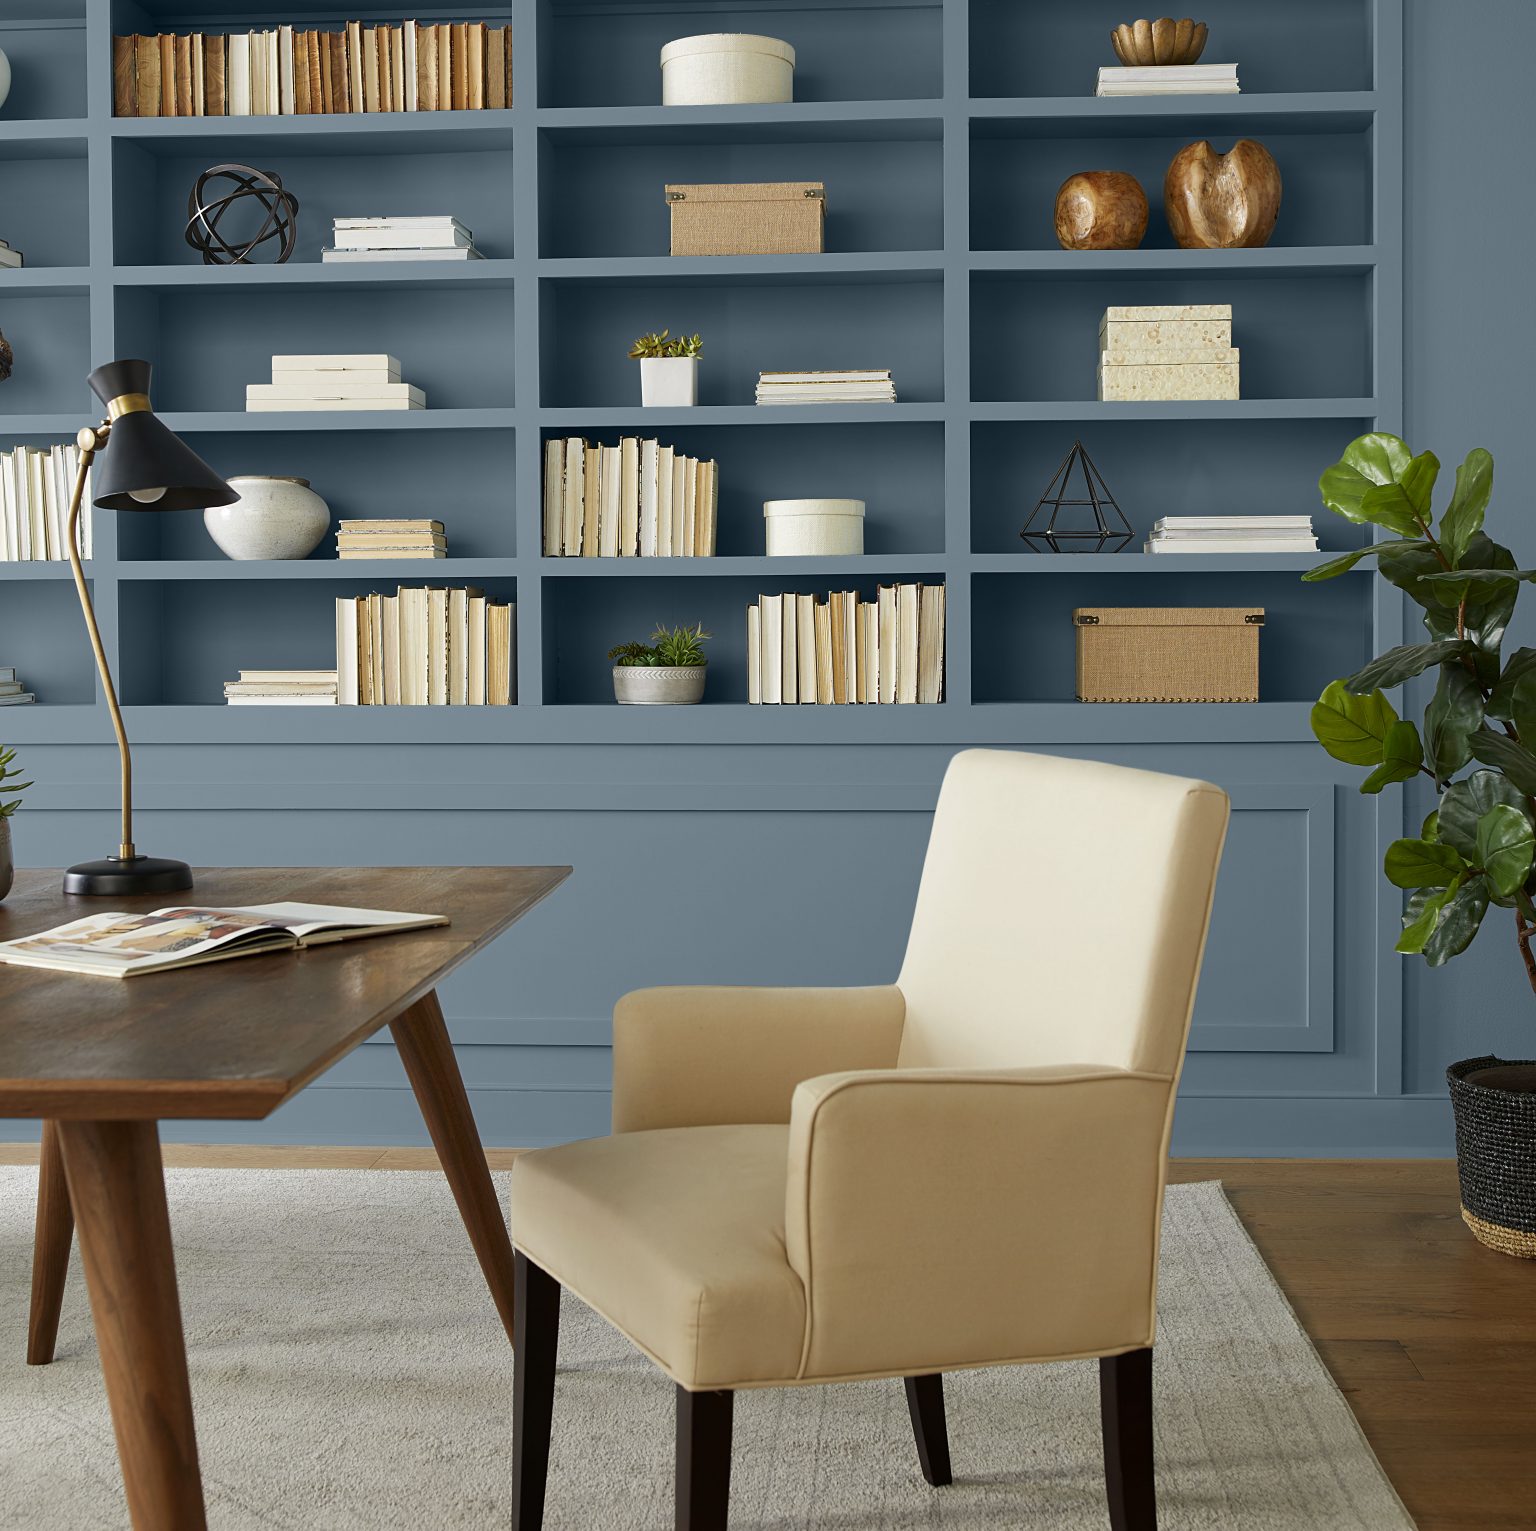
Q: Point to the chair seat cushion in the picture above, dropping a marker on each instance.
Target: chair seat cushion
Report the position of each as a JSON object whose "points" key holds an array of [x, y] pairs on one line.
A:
{"points": [[677, 1238]]}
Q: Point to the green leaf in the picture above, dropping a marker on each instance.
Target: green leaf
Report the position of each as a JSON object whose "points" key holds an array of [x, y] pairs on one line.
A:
{"points": [[1402, 755], [1459, 919], [1455, 711], [1368, 461], [1500, 702], [1487, 614], [1505, 844], [1405, 566], [1403, 663], [1463, 517], [1403, 506], [1453, 587], [1522, 710], [1352, 728], [1514, 760], [1346, 561], [1421, 864], [1466, 802], [1431, 828], [1421, 914]]}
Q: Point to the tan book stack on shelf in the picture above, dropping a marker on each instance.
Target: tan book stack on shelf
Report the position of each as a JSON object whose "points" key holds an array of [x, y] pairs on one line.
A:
{"points": [[363, 383], [289, 71], [1183, 351], [853, 386], [425, 646], [282, 688], [437, 236], [637, 499], [847, 651], [13, 692], [398, 538]]}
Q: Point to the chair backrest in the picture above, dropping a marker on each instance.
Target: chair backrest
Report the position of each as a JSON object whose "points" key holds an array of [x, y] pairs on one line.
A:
{"points": [[1061, 916]]}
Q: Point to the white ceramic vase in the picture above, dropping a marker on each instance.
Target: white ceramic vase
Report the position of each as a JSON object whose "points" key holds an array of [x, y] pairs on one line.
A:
{"points": [[658, 685], [5, 78], [669, 382], [273, 518]]}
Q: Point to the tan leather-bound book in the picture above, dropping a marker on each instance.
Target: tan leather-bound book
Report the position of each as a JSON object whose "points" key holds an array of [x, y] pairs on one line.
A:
{"points": [[824, 652], [146, 76], [319, 72], [125, 101], [501, 655], [591, 501], [508, 31], [930, 645], [460, 65], [371, 91], [183, 47], [495, 68], [426, 69], [396, 37], [199, 82], [167, 74], [474, 66], [444, 66], [838, 662], [215, 89], [341, 74], [554, 497], [301, 104]]}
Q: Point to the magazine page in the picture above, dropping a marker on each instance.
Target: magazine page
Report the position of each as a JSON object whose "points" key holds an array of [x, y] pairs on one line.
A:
{"points": [[129, 943], [336, 922]]}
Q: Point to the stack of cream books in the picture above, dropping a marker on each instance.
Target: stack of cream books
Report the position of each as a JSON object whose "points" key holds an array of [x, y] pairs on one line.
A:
{"points": [[12, 693], [1183, 351], [399, 538], [638, 499], [369, 382], [282, 688], [35, 488], [844, 650], [432, 237], [425, 647], [10, 258], [1232, 534], [1168, 80], [854, 386]]}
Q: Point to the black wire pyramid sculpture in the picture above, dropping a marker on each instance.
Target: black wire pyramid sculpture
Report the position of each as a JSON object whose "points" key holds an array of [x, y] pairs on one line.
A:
{"points": [[1093, 524]]}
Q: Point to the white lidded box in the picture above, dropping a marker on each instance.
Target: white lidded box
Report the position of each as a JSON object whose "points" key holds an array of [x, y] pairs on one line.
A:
{"points": [[722, 68], [813, 528]]}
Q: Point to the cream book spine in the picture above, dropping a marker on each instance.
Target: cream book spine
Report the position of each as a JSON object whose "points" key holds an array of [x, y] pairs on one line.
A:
{"points": [[805, 648], [754, 655], [849, 600], [789, 652], [437, 647], [389, 617], [886, 624], [591, 501], [651, 538], [475, 653], [357, 406], [650, 454], [575, 488], [772, 647], [907, 630], [690, 547], [629, 495], [458, 646], [554, 496], [373, 361], [608, 518], [824, 653], [346, 651], [681, 473]]}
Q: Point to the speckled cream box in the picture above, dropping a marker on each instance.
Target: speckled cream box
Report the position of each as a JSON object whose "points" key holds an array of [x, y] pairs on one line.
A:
{"points": [[1164, 380], [1164, 334]]}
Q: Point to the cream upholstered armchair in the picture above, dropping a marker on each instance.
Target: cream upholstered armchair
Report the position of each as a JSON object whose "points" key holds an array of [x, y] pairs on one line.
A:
{"points": [[962, 1169]]}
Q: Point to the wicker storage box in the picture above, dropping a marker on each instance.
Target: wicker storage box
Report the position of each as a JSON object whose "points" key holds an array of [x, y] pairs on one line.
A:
{"points": [[750, 218], [1168, 653]]}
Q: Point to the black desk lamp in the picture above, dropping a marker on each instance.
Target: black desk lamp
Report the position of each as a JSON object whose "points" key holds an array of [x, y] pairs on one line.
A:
{"points": [[148, 467]]}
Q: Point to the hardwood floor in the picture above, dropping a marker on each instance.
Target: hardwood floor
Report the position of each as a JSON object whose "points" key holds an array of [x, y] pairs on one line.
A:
{"points": [[1431, 1336]]}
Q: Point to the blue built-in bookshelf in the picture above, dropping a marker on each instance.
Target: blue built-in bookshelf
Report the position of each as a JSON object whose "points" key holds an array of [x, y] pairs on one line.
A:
{"points": [[941, 130]]}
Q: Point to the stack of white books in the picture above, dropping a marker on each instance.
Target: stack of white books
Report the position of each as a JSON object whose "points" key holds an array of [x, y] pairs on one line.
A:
{"points": [[9, 257], [35, 488], [1232, 534], [11, 693], [282, 688], [333, 382], [856, 385], [391, 538], [436, 236], [1168, 80]]}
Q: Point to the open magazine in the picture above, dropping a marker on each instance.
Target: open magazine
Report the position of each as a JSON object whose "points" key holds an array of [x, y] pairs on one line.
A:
{"points": [[123, 945]]}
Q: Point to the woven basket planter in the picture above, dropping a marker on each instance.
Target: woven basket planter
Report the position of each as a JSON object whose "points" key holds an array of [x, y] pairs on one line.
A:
{"points": [[1496, 1158]]}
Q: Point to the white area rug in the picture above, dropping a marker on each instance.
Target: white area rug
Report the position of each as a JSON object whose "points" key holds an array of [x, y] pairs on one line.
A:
{"points": [[349, 1372]]}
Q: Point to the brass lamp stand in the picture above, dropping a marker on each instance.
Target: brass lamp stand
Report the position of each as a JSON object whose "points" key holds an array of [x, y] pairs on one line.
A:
{"points": [[151, 469]]}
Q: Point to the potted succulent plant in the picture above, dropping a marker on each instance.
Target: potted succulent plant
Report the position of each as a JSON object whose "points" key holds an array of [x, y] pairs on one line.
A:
{"points": [[669, 369], [1478, 748], [8, 785], [669, 669]]}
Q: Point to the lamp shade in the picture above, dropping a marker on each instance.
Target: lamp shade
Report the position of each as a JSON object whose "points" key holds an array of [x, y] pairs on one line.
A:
{"points": [[145, 465]]}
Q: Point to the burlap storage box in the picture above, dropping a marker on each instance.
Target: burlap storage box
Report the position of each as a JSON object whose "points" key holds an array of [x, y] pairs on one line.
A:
{"points": [[750, 218], [727, 68], [1168, 653]]}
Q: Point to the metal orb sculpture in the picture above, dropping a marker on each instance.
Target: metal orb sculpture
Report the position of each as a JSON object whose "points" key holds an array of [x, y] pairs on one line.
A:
{"points": [[223, 187], [1087, 523]]}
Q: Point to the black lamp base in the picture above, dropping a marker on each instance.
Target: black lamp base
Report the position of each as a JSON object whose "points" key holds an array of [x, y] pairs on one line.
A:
{"points": [[116, 877]]}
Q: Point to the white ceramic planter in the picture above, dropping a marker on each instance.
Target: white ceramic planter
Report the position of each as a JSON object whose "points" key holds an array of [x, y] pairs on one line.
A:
{"points": [[669, 382], [273, 518], [723, 68], [813, 528], [658, 685]]}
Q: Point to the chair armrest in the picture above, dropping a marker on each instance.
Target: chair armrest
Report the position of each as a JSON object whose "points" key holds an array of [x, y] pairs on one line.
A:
{"points": [[943, 1218], [702, 1056]]}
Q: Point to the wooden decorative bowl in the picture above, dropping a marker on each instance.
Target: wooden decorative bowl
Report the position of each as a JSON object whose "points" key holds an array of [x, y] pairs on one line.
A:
{"points": [[1164, 41]]}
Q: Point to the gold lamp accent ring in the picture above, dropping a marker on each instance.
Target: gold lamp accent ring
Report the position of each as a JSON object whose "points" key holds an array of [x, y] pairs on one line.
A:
{"points": [[127, 404]]}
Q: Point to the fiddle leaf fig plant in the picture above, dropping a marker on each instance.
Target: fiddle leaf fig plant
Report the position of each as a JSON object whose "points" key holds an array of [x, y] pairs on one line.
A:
{"points": [[1478, 847], [9, 784]]}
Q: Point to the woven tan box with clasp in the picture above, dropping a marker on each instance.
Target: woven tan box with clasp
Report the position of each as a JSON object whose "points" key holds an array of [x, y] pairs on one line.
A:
{"points": [[1168, 653], [750, 218]]}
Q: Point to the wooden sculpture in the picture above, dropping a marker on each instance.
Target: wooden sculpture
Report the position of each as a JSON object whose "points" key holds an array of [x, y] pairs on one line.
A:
{"points": [[1100, 210], [1164, 41], [1222, 201]]}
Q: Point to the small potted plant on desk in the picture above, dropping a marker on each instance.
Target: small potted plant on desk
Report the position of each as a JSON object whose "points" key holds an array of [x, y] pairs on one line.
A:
{"points": [[8, 806], [669, 370], [1476, 848], [669, 669]]}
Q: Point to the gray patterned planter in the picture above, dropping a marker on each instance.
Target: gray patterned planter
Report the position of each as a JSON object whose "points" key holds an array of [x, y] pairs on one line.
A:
{"points": [[658, 685]]}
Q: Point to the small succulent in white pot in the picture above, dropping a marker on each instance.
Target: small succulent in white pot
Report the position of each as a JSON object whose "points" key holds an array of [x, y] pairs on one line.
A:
{"points": [[670, 669], [669, 369], [8, 806]]}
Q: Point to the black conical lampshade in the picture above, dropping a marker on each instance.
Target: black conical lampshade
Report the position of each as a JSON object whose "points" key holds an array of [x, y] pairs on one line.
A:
{"points": [[145, 455]]}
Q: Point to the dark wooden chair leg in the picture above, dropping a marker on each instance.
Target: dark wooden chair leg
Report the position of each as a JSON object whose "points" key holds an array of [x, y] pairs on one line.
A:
{"points": [[50, 1250], [535, 1340], [703, 1460], [1125, 1403], [925, 1403]]}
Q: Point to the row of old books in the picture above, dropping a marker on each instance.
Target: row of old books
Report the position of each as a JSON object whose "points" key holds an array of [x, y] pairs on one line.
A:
{"points": [[845, 650], [391, 537], [12, 692], [287, 71], [425, 647], [35, 488], [638, 499]]}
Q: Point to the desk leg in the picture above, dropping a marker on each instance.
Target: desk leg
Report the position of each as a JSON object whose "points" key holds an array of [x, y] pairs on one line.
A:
{"points": [[118, 1190], [50, 1250], [422, 1039]]}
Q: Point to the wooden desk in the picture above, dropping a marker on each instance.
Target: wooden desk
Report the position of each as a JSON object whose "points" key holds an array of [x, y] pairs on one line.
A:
{"points": [[103, 1060]]}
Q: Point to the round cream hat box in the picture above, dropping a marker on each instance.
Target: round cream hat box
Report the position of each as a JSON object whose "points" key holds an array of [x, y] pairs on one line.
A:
{"points": [[726, 68], [814, 528]]}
